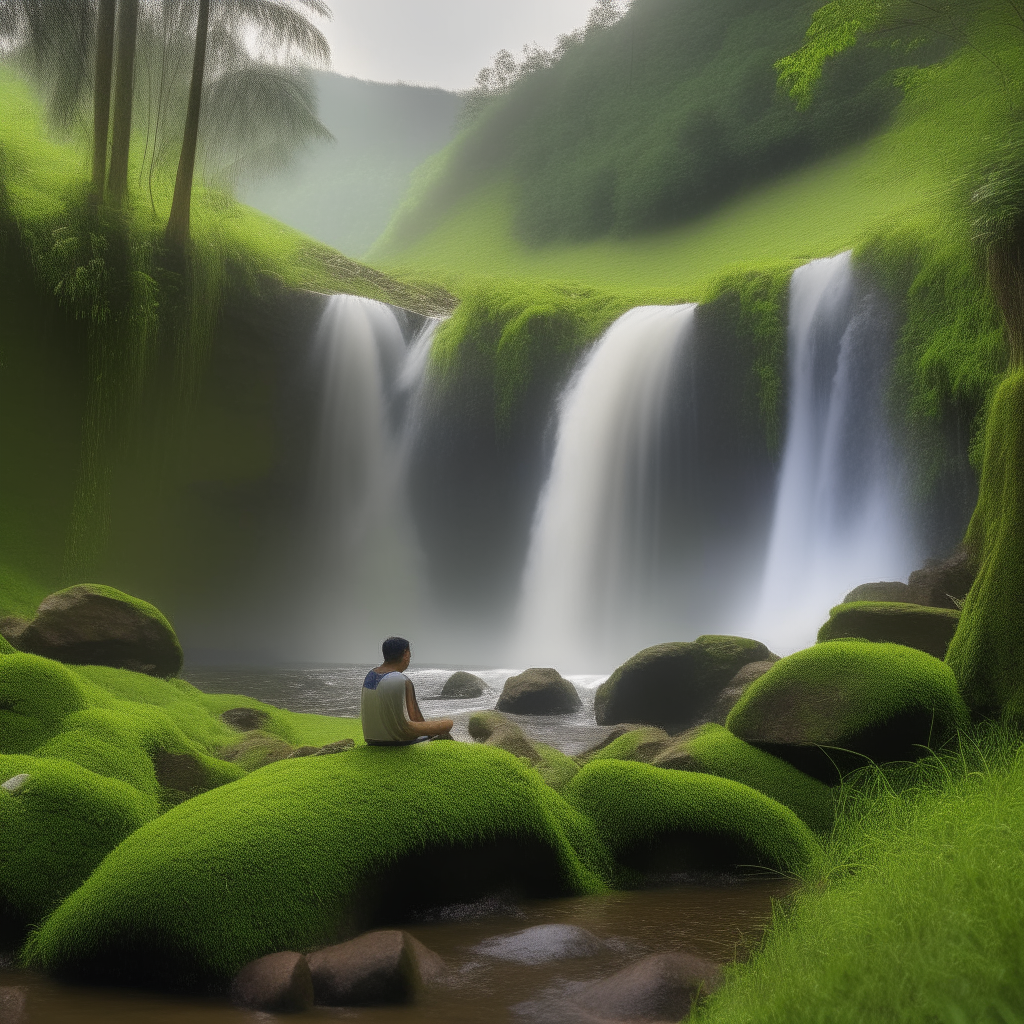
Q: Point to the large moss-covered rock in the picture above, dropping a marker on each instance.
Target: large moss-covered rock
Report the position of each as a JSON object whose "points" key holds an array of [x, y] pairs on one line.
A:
{"points": [[497, 730], [928, 629], [91, 624], [643, 743], [839, 704], [36, 696], [674, 685], [662, 821], [713, 749], [539, 691], [987, 653], [307, 852], [463, 685]]}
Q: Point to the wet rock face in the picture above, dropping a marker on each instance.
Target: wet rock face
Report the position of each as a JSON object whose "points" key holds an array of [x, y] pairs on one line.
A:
{"points": [[93, 625], [379, 967], [926, 629], [280, 982], [674, 685], [539, 691], [941, 583], [463, 684], [245, 719], [542, 943], [661, 987]]}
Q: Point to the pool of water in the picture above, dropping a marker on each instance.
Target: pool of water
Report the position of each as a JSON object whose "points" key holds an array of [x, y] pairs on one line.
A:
{"points": [[715, 918], [334, 690]]}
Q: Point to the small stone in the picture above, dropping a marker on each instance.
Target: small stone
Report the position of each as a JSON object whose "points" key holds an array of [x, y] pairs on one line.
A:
{"points": [[245, 719], [13, 785], [337, 747], [279, 982], [542, 943]]}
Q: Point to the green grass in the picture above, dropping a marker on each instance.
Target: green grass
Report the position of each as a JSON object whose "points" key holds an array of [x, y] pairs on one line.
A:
{"points": [[281, 859], [911, 911]]}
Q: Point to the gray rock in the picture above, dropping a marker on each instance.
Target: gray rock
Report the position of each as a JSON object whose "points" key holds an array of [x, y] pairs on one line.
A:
{"points": [[93, 625], [941, 583], [463, 684], [881, 592], [674, 685], [912, 625], [662, 987], [338, 747], [378, 967], [245, 719], [539, 691], [13, 785], [13, 1004], [726, 700], [542, 943], [280, 982]]}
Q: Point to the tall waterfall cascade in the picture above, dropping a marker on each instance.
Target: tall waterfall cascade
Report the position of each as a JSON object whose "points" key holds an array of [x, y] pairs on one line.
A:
{"points": [[370, 581], [842, 514], [591, 585]]}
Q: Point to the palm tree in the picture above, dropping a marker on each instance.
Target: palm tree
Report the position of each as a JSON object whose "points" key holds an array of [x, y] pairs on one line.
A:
{"points": [[279, 25]]}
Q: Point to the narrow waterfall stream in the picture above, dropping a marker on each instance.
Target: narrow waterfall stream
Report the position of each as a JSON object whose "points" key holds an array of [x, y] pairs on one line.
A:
{"points": [[592, 582], [842, 513]]}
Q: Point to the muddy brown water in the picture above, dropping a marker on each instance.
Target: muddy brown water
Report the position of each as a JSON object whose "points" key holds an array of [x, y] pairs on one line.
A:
{"points": [[719, 919]]}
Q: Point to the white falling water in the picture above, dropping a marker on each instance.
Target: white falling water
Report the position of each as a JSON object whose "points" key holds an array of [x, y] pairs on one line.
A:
{"points": [[841, 511], [590, 593], [370, 575]]}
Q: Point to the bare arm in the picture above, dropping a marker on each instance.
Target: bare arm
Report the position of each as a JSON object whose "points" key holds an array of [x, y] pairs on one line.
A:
{"points": [[436, 727]]}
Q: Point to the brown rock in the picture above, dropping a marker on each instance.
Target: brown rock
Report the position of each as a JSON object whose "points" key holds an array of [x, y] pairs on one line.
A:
{"points": [[928, 629], [303, 751], [335, 748], [256, 750], [941, 584], [539, 691], [245, 719], [881, 592], [494, 729], [726, 700], [280, 982], [13, 1004], [662, 987], [182, 772], [378, 967], [12, 627]]}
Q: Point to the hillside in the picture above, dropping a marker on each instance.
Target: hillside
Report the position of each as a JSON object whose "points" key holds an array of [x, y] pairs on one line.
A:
{"points": [[344, 193]]}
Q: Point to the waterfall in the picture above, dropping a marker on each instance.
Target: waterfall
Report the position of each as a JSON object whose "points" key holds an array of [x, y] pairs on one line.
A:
{"points": [[369, 576], [841, 513], [593, 585]]}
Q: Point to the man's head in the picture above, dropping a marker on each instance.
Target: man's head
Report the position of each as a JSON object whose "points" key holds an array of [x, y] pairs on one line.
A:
{"points": [[396, 652]]}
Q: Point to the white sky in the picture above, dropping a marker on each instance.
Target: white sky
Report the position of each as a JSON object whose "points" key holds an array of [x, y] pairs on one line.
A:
{"points": [[441, 42]]}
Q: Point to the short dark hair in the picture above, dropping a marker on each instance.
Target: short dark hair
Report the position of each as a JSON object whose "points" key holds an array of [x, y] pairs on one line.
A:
{"points": [[394, 647]]}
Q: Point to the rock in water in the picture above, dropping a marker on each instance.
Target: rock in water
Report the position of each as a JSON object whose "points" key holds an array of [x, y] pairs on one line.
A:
{"points": [[13, 1004], [463, 684], [542, 943], [661, 987], [539, 691], [674, 685], [280, 982], [884, 591], [94, 625], [378, 967], [245, 719], [837, 705], [928, 629]]}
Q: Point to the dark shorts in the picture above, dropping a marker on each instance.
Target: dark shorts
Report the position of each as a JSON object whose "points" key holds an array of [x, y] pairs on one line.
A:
{"points": [[396, 743]]}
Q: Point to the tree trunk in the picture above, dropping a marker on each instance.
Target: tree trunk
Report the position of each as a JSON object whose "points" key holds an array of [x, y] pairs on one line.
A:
{"points": [[124, 88], [101, 94], [178, 222]]}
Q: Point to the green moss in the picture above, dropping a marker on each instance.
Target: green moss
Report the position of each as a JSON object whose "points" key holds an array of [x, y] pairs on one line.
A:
{"points": [[554, 767], [6, 646], [642, 744], [281, 859], [56, 829], [256, 749], [844, 687], [986, 652], [922, 626], [715, 750], [638, 808], [36, 695]]}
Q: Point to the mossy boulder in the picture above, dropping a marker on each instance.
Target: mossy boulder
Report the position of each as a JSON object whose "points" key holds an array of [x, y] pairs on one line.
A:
{"points": [[713, 749], [539, 691], [893, 591], [659, 821], [927, 629], [496, 730], [839, 704], [91, 624], [463, 685], [55, 829], [643, 743], [987, 652], [674, 685], [36, 696], [308, 852]]}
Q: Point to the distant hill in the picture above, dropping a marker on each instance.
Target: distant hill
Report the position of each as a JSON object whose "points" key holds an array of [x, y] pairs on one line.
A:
{"points": [[344, 193]]}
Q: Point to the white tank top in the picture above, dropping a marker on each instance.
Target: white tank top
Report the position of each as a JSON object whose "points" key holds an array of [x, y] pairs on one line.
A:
{"points": [[383, 710]]}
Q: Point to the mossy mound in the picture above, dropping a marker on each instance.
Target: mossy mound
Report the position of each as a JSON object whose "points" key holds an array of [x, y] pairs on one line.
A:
{"points": [[987, 652], [55, 830], [36, 695], [713, 749], [496, 730], [927, 629], [5, 646], [672, 685], [835, 705], [642, 744], [654, 820], [305, 852], [256, 750]]}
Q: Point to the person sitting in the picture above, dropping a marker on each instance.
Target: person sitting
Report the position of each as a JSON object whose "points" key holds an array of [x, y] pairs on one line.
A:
{"points": [[390, 715]]}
